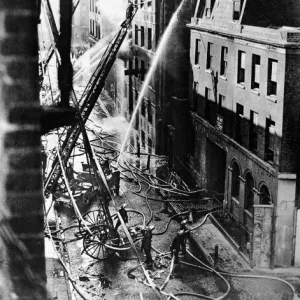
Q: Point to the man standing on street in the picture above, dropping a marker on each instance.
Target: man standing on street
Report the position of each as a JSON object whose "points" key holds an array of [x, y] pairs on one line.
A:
{"points": [[146, 244], [178, 241], [123, 214]]}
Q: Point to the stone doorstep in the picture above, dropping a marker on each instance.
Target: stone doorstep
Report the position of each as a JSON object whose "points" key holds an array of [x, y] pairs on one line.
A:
{"points": [[226, 236], [230, 240], [194, 241]]}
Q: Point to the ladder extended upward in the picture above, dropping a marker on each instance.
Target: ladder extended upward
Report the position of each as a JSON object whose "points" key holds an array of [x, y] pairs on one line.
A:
{"points": [[89, 99]]}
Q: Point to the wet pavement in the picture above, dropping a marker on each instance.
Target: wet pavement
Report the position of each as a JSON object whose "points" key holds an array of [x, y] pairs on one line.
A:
{"points": [[109, 279]]}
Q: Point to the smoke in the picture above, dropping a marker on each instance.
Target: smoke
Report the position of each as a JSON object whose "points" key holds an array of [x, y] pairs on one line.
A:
{"points": [[113, 12], [87, 63]]}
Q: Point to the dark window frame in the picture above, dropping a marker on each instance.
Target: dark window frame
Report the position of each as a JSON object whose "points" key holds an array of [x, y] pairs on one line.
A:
{"points": [[150, 117], [249, 193], [253, 132], [241, 69], [224, 61], [207, 102], [236, 10], [149, 38], [272, 85], [197, 52], [209, 56], [235, 181], [136, 34], [269, 141], [255, 79], [142, 36], [238, 122]]}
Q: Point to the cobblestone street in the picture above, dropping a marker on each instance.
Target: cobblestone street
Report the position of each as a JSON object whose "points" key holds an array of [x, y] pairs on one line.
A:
{"points": [[114, 282]]}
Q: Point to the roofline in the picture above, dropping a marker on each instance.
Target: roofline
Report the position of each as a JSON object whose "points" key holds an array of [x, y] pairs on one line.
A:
{"points": [[246, 38]]}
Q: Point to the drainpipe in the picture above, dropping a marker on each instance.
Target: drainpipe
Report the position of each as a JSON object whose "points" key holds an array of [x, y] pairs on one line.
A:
{"points": [[273, 231], [294, 236]]}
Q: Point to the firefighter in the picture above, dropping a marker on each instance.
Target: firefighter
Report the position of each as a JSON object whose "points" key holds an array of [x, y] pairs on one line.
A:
{"points": [[146, 244], [70, 172], [183, 224], [115, 179], [129, 10], [123, 214], [178, 241]]}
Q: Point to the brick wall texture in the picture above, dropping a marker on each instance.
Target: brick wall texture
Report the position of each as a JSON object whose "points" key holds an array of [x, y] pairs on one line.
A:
{"points": [[21, 199]]}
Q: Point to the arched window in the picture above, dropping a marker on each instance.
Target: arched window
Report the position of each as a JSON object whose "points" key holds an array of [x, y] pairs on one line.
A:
{"points": [[235, 183], [249, 195], [265, 197]]}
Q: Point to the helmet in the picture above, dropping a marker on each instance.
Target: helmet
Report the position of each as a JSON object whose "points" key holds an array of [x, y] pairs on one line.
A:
{"points": [[183, 222], [123, 205], [151, 227], [180, 232]]}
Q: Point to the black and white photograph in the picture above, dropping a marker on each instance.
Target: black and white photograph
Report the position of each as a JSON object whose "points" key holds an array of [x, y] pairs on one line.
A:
{"points": [[150, 149]]}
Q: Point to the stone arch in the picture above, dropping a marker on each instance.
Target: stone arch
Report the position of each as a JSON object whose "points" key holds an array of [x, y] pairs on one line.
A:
{"points": [[249, 193], [235, 179], [265, 197]]}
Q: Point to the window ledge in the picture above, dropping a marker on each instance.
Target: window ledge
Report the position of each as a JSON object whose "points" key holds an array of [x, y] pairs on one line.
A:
{"points": [[241, 86], [272, 98], [255, 92], [236, 201], [247, 212], [197, 66], [223, 77], [209, 71]]}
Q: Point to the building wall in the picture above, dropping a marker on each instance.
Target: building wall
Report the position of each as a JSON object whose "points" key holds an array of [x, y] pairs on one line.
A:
{"points": [[235, 93], [283, 248], [22, 224], [95, 22], [206, 129], [80, 24], [170, 79], [146, 17], [291, 123]]}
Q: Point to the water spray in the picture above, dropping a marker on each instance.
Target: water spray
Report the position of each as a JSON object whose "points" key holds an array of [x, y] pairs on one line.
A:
{"points": [[157, 56]]}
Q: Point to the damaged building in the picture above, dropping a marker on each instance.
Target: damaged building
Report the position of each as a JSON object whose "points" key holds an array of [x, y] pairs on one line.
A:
{"points": [[219, 113], [170, 80], [243, 125]]}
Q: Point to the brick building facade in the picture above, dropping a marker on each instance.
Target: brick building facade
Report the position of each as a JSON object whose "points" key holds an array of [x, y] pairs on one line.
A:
{"points": [[169, 82], [243, 121], [22, 270]]}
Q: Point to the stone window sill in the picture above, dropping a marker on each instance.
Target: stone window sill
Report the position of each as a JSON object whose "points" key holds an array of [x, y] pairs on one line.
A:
{"points": [[209, 71], [197, 66], [255, 92], [248, 213], [236, 201], [223, 77], [272, 98], [241, 86]]}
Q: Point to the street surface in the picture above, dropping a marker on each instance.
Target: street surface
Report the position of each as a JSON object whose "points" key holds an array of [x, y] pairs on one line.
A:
{"points": [[109, 279]]}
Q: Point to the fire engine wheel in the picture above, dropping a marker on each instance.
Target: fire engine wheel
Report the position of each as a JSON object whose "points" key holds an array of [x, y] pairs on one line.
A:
{"points": [[92, 219], [98, 244], [136, 220]]}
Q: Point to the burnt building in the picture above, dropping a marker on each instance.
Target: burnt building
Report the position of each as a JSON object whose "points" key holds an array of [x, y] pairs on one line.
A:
{"points": [[102, 26], [168, 84], [243, 123], [80, 23], [95, 27]]}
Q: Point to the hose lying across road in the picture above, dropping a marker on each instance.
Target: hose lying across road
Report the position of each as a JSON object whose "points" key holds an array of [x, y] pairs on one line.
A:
{"points": [[153, 182]]}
